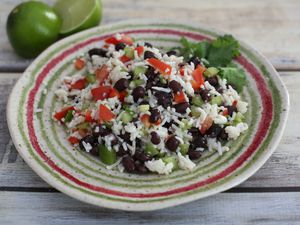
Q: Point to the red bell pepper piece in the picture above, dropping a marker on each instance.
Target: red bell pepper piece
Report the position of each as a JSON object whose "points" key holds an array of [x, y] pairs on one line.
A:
{"points": [[179, 97], [88, 116], [105, 115], [124, 59], [161, 66], [124, 39], [206, 124], [145, 120], [113, 93], [102, 74], [139, 50], [79, 64], [61, 114], [101, 92], [225, 112], [234, 103], [198, 77], [79, 84], [73, 140]]}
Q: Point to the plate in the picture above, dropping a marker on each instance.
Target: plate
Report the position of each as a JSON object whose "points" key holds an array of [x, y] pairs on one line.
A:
{"points": [[43, 145]]}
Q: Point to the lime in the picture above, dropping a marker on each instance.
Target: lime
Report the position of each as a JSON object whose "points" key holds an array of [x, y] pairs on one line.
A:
{"points": [[31, 27], [78, 15]]}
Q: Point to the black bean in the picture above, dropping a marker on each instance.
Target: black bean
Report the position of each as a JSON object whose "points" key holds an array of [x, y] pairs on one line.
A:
{"points": [[148, 55], [171, 52], [138, 142], [89, 139], [140, 167], [100, 130], [95, 151], [194, 131], [97, 51], [138, 92], [223, 135], [128, 163], [125, 137], [144, 102], [231, 109], [131, 75], [168, 124], [213, 81], [199, 142], [194, 60], [193, 155], [205, 95], [154, 116], [214, 131], [120, 46], [121, 84], [150, 73], [155, 139], [172, 143], [121, 151], [141, 156], [147, 44], [175, 86], [219, 89], [164, 99], [181, 107]]}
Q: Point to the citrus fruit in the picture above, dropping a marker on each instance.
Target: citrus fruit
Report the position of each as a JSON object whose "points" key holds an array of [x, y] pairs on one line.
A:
{"points": [[31, 27], [78, 15]]}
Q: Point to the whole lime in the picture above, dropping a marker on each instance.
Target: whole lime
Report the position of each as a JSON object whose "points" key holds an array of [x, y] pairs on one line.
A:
{"points": [[31, 27]]}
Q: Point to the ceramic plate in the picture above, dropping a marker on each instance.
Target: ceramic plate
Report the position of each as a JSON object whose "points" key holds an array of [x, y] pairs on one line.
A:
{"points": [[44, 147]]}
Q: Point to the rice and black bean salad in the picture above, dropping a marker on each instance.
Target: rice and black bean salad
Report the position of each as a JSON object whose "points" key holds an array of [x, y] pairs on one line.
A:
{"points": [[140, 109]]}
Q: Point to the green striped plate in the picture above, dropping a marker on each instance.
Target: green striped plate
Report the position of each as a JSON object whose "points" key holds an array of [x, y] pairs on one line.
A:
{"points": [[44, 147]]}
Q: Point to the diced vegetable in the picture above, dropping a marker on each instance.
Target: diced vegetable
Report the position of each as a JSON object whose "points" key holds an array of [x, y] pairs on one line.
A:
{"points": [[151, 150], [207, 123], [138, 82], [79, 64], [171, 159], [139, 70], [69, 116], [129, 52], [161, 66], [101, 92], [198, 77], [126, 117], [88, 116], [184, 148], [216, 100], [139, 50], [102, 74], [83, 126], [239, 118], [145, 120], [90, 78], [113, 93], [122, 96], [194, 111], [125, 59], [107, 156], [124, 39], [61, 114], [211, 71], [79, 84], [197, 100], [73, 140], [105, 115], [144, 108], [180, 97]]}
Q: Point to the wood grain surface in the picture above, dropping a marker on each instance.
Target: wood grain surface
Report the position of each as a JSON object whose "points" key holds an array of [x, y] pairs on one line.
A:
{"points": [[271, 26]]}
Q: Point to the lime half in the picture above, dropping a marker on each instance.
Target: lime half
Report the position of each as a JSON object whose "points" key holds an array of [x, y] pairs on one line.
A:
{"points": [[78, 15]]}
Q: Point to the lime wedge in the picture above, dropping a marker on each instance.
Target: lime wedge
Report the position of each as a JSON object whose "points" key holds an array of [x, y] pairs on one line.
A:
{"points": [[78, 15]]}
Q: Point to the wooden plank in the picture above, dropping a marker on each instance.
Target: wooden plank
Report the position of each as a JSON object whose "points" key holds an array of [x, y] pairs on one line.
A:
{"points": [[225, 209], [281, 170], [270, 26]]}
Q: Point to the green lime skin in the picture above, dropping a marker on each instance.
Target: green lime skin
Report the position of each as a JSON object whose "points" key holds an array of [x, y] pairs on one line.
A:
{"points": [[31, 27]]}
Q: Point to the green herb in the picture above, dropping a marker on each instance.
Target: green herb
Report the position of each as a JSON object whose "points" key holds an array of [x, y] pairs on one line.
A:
{"points": [[234, 76], [219, 52], [69, 116]]}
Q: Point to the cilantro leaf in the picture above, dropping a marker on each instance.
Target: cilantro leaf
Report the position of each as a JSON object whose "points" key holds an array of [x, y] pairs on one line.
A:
{"points": [[194, 49], [223, 50], [234, 76]]}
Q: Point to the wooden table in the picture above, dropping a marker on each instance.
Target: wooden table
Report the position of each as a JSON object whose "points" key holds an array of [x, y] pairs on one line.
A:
{"points": [[271, 196]]}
